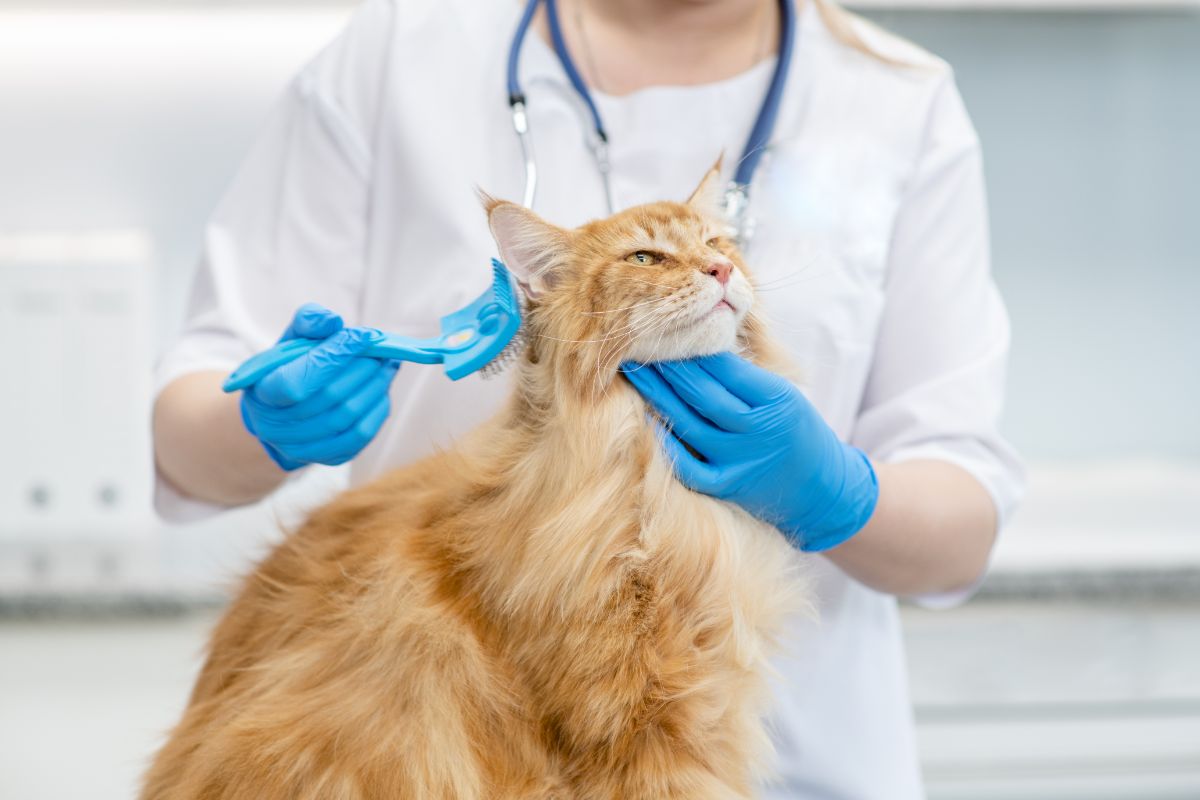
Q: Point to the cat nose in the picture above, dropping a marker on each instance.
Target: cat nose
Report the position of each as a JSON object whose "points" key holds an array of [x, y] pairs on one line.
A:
{"points": [[720, 270]]}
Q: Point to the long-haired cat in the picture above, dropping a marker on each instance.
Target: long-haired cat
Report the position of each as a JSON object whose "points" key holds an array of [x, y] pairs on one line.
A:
{"points": [[541, 612]]}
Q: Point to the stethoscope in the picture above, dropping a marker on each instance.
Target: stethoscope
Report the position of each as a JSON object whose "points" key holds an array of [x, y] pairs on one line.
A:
{"points": [[736, 199]]}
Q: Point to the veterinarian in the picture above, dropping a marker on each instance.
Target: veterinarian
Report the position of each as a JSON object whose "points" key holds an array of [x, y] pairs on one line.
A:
{"points": [[864, 223]]}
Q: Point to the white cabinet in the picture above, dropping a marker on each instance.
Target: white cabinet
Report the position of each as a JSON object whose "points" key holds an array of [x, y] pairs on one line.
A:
{"points": [[75, 323]]}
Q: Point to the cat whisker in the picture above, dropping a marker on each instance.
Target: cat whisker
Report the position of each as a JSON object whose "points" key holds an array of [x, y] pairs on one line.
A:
{"points": [[748, 153], [779, 278], [604, 365], [632, 327], [629, 332], [652, 283], [802, 270], [642, 327], [607, 338], [640, 366], [775, 324], [656, 317], [573, 341], [796, 281], [626, 308]]}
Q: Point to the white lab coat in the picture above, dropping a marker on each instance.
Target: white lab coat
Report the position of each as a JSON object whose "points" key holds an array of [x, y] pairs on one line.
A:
{"points": [[871, 246]]}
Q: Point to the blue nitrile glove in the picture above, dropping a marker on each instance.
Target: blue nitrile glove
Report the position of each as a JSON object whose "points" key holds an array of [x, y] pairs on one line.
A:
{"points": [[763, 445], [324, 407]]}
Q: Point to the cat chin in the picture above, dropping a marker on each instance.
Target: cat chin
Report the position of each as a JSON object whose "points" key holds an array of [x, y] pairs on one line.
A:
{"points": [[714, 334]]}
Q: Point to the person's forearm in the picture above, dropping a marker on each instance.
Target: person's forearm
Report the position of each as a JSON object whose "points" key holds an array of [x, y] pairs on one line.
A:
{"points": [[202, 447], [931, 531]]}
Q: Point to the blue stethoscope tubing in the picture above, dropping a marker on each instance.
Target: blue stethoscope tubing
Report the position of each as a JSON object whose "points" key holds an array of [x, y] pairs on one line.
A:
{"points": [[736, 195]]}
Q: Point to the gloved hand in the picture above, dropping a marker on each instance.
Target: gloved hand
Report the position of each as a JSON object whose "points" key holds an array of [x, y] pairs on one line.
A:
{"points": [[763, 446], [325, 406]]}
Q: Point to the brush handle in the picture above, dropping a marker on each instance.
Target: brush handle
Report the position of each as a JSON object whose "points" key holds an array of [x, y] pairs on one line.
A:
{"points": [[393, 346]]}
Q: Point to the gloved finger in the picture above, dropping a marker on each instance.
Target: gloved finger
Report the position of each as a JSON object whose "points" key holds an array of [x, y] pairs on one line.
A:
{"points": [[705, 394], [284, 463], [691, 471], [377, 378], [747, 381], [351, 381], [333, 420], [312, 321], [298, 380], [346, 445], [357, 372], [686, 423]]}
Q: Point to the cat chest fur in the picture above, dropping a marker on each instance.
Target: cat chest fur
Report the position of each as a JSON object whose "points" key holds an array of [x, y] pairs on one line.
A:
{"points": [[632, 612]]}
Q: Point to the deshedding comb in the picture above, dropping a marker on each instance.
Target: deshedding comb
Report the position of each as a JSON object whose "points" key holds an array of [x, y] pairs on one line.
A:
{"points": [[483, 337]]}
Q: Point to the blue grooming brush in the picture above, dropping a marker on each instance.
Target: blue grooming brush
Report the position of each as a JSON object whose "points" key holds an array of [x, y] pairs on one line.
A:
{"points": [[482, 337]]}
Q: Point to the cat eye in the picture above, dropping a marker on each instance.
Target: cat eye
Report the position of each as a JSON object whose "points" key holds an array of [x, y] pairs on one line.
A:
{"points": [[714, 242], [643, 258]]}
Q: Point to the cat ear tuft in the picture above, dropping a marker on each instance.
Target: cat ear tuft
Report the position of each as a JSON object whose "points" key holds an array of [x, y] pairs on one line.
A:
{"points": [[531, 248], [708, 195]]}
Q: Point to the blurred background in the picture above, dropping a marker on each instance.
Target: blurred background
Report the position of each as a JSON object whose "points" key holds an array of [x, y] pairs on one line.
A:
{"points": [[1075, 673]]}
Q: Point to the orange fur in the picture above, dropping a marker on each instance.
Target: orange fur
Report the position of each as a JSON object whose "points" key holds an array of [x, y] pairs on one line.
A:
{"points": [[542, 612]]}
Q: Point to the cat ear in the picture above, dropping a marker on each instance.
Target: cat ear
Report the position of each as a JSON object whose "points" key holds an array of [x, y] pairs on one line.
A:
{"points": [[709, 193], [532, 249]]}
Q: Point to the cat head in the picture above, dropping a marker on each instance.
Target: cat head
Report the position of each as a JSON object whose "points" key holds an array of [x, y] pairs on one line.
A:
{"points": [[656, 282]]}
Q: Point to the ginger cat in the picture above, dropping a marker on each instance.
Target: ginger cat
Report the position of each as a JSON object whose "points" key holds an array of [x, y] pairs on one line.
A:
{"points": [[542, 612]]}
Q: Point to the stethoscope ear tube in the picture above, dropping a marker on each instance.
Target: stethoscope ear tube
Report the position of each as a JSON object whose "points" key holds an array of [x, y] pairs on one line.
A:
{"points": [[516, 103], [514, 52], [568, 65], [768, 113], [736, 199], [521, 126]]}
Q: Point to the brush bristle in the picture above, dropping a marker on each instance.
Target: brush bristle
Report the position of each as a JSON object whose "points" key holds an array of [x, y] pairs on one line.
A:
{"points": [[511, 299], [502, 285], [505, 357]]}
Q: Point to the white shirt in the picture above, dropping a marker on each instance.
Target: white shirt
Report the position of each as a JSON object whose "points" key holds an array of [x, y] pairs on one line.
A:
{"points": [[871, 246]]}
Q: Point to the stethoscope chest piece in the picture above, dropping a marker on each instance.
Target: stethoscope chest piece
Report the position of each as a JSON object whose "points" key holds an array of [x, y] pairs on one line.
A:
{"points": [[735, 206]]}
